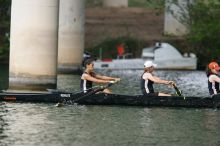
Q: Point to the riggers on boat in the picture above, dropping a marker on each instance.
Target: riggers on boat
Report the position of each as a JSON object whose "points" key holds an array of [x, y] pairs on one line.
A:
{"points": [[93, 98]]}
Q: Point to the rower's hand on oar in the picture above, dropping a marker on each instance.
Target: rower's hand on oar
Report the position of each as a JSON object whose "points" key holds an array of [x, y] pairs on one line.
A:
{"points": [[112, 82], [117, 79], [171, 83], [178, 91]]}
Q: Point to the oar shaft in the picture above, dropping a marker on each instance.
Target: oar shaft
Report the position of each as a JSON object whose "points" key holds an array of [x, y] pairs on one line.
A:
{"points": [[101, 88], [178, 92]]}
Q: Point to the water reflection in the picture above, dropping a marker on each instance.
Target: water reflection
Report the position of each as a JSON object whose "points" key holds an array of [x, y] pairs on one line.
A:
{"points": [[190, 127], [45, 124], [3, 122]]}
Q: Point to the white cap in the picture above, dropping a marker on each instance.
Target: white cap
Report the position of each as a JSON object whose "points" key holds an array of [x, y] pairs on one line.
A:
{"points": [[149, 64]]}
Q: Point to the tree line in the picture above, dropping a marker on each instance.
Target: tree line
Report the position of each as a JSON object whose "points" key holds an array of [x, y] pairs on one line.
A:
{"points": [[4, 27]]}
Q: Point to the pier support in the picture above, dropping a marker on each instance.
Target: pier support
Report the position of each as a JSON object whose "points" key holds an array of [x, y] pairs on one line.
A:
{"points": [[115, 3], [71, 35], [175, 17], [33, 44]]}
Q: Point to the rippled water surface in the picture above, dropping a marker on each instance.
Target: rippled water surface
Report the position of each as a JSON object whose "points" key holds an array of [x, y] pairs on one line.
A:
{"points": [[47, 125]]}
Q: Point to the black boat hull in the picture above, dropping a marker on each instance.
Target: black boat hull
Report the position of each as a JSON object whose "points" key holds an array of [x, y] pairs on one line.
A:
{"points": [[140, 100], [113, 99]]}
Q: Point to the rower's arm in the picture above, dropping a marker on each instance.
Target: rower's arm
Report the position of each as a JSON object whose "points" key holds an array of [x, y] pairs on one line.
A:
{"points": [[105, 77], [90, 78], [215, 78], [158, 80]]}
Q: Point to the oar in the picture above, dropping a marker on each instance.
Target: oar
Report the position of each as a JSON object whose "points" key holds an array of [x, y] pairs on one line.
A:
{"points": [[178, 92], [83, 91], [95, 89], [60, 103], [101, 88]]}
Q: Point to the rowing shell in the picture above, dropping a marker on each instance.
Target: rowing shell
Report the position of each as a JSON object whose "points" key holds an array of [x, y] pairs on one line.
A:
{"points": [[113, 99]]}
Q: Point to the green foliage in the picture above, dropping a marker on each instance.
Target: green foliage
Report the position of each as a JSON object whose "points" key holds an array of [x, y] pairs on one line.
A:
{"points": [[204, 35], [4, 16], [109, 50], [202, 17], [4, 46], [4, 26]]}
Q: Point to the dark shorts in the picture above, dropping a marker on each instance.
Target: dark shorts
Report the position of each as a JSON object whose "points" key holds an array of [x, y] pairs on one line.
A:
{"points": [[152, 94]]}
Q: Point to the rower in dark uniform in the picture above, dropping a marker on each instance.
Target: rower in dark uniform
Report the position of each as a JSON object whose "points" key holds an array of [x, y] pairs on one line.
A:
{"points": [[88, 77], [148, 79], [213, 78]]}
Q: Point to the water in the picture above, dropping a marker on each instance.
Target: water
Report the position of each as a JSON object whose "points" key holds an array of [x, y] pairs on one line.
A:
{"points": [[47, 125]]}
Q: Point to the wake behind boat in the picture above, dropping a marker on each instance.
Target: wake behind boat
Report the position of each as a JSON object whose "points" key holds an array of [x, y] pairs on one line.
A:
{"points": [[112, 99]]}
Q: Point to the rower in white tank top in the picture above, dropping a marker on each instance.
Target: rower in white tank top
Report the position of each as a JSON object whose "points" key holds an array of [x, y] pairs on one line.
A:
{"points": [[148, 79]]}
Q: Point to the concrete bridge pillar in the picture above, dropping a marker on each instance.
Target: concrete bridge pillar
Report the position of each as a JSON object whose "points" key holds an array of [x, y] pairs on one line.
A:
{"points": [[33, 44], [174, 17], [115, 3], [71, 35]]}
